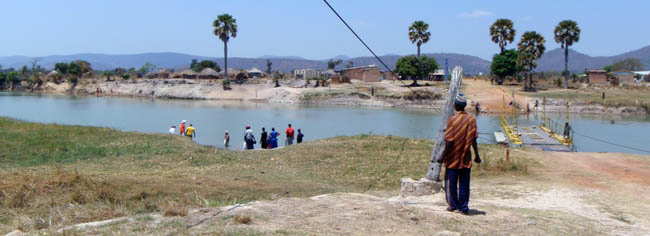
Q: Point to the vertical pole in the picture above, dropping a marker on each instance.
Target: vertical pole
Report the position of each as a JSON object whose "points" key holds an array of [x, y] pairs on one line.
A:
{"points": [[544, 111], [433, 173]]}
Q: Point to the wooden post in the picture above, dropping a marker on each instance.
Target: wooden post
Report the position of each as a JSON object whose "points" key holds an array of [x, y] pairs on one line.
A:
{"points": [[507, 154], [433, 173]]}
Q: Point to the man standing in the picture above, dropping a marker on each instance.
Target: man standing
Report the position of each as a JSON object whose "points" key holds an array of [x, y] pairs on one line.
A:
{"points": [[299, 137], [249, 138], [190, 132], [460, 135], [182, 129], [226, 139], [290, 136], [263, 139]]}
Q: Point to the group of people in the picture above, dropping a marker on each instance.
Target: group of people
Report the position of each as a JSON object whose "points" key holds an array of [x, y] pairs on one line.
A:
{"points": [[267, 140], [183, 131]]}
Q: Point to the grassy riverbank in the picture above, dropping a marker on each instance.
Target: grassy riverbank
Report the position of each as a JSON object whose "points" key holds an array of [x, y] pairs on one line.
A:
{"points": [[54, 175], [614, 96]]}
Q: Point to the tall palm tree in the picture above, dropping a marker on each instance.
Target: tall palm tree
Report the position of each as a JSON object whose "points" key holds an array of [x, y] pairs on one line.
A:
{"points": [[419, 34], [225, 27], [502, 33], [566, 33], [531, 47]]}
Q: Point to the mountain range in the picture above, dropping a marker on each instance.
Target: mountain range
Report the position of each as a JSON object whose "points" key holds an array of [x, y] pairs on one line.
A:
{"points": [[552, 60]]}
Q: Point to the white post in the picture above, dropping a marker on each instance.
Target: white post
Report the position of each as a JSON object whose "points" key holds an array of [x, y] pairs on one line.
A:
{"points": [[433, 173]]}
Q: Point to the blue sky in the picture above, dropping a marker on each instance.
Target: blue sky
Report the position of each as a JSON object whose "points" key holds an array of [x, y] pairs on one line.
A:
{"points": [[307, 28]]}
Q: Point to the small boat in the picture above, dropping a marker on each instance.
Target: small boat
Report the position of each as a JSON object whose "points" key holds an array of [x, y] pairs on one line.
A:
{"points": [[501, 137]]}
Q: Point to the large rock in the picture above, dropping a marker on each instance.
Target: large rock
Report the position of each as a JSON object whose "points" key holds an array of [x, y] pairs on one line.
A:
{"points": [[422, 187]]}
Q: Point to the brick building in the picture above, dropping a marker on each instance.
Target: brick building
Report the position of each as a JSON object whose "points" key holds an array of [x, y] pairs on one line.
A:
{"points": [[369, 73], [597, 77]]}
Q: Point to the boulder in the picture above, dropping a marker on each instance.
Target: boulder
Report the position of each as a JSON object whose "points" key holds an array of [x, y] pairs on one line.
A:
{"points": [[422, 187]]}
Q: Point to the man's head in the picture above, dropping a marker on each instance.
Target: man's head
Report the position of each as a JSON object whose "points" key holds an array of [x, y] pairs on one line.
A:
{"points": [[289, 125], [460, 102], [263, 129], [190, 124], [248, 127], [298, 130], [272, 129]]}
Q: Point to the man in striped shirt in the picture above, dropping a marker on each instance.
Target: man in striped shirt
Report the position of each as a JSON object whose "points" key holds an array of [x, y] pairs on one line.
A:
{"points": [[460, 135]]}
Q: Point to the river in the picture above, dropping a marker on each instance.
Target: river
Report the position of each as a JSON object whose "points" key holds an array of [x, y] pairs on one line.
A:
{"points": [[212, 118]]}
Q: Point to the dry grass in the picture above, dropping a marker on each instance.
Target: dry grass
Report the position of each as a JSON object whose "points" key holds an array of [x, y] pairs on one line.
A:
{"points": [[47, 187]]}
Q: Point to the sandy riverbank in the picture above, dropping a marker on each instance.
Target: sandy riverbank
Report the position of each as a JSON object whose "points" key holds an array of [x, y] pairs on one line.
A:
{"points": [[387, 93]]}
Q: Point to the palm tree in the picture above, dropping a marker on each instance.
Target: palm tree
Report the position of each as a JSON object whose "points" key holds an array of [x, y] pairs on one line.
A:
{"points": [[225, 27], [531, 47], [418, 33], [566, 33], [502, 33]]}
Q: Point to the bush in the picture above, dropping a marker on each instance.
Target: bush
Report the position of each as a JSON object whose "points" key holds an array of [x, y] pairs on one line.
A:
{"points": [[226, 84]]}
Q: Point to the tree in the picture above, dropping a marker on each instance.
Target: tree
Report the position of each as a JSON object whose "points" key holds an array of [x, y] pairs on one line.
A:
{"points": [[628, 64], [193, 64], [331, 64], [3, 78], [566, 33], [268, 66], [531, 47], [350, 64], [146, 68], [415, 67], [225, 27], [505, 64], [61, 67], [419, 34], [198, 67], [34, 62], [14, 78], [502, 33]]}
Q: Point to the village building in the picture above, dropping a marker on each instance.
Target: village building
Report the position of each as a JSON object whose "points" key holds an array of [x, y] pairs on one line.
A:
{"points": [[370, 73], [187, 74], [208, 73], [597, 77], [623, 76], [305, 74], [231, 72], [437, 75], [160, 73], [387, 75], [642, 76], [255, 73]]}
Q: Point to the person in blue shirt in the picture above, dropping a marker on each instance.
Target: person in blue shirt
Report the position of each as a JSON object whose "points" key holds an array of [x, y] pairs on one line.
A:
{"points": [[273, 138]]}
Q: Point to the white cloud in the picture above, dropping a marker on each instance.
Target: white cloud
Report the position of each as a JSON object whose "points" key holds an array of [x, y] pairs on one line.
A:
{"points": [[475, 14]]}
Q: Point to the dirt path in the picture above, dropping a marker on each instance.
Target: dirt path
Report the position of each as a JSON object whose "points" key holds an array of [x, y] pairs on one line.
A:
{"points": [[491, 97]]}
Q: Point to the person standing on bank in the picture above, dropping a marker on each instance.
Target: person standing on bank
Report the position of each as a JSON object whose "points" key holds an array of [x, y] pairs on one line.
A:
{"points": [[460, 135], [190, 132], [273, 139], [249, 138], [226, 139], [263, 139], [299, 136], [290, 136]]}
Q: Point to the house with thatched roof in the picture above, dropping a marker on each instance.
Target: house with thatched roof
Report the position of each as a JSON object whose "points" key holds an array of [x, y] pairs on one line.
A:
{"points": [[208, 73], [255, 73], [188, 74], [160, 73]]}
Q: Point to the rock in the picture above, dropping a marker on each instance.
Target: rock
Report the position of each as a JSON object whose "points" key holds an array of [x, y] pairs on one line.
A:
{"points": [[532, 223], [447, 233], [410, 187], [415, 218]]}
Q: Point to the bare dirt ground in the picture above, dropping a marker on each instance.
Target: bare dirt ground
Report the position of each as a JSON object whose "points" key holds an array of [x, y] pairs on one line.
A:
{"points": [[490, 97], [566, 194]]}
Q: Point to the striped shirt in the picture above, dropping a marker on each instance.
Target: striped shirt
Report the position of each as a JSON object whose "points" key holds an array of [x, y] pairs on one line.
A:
{"points": [[461, 130]]}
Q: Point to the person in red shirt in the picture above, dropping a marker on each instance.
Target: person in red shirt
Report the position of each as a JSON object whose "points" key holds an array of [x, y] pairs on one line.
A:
{"points": [[182, 129], [289, 132], [460, 136]]}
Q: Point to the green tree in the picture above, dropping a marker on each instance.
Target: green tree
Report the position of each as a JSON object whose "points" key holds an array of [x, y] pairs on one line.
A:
{"points": [[502, 33], [84, 66], [14, 78], [3, 78], [198, 67], [505, 64], [531, 47], [61, 67], [419, 34], [566, 33], [193, 63], [350, 64], [146, 68], [225, 27], [268, 66], [415, 67], [628, 64], [331, 64]]}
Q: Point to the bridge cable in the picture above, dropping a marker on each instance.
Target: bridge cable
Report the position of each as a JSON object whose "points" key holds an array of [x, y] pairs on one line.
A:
{"points": [[611, 143], [367, 47]]}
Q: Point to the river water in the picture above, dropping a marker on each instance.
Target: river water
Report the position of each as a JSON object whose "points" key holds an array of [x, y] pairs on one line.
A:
{"points": [[212, 118]]}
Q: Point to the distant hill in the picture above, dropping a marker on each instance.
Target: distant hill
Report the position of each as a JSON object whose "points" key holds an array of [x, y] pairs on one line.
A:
{"points": [[471, 64], [553, 60]]}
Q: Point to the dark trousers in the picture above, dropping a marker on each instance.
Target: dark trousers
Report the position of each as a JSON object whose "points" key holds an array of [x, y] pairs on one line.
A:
{"points": [[457, 188]]}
